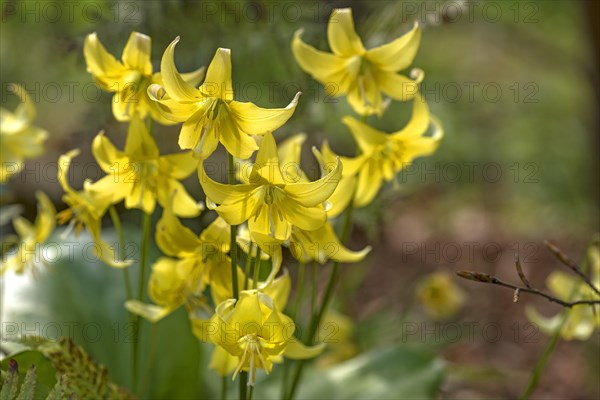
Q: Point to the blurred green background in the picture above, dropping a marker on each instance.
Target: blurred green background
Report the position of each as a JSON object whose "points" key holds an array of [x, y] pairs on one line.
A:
{"points": [[515, 85]]}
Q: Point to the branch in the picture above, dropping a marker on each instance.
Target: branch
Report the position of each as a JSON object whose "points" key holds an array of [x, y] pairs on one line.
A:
{"points": [[486, 278], [564, 259]]}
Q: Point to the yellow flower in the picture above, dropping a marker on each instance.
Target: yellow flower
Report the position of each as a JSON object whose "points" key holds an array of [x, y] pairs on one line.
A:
{"points": [[222, 362], [209, 113], [581, 321], [86, 209], [336, 330], [30, 237], [192, 263], [382, 155], [356, 72], [142, 176], [20, 140], [439, 295], [272, 201], [256, 332], [129, 78]]}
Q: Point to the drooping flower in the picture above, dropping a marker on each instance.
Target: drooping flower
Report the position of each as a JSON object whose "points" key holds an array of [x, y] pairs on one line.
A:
{"points": [[382, 155], [26, 254], [20, 140], [86, 209], [141, 176], [129, 78], [254, 330], [580, 322], [271, 201], [356, 72], [209, 113], [439, 295]]}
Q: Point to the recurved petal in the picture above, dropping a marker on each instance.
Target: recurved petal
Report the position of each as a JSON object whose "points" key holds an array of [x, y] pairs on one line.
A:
{"points": [[106, 155], [266, 166], [367, 137], [136, 54], [176, 86], [296, 350], [45, 221], [329, 69], [194, 77], [169, 108], [106, 253], [310, 194], [279, 290], [172, 237], [307, 218], [342, 36], [218, 76], [398, 54], [140, 145], [221, 193], [397, 86], [150, 312], [333, 249], [222, 362], [290, 150], [64, 162], [342, 196], [419, 120], [240, 210], [218, 234], [255, 120], [100, 62]]}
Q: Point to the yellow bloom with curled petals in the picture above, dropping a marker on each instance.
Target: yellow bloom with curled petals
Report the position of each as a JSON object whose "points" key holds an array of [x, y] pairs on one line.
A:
{"points": [[254, 330], [579, 322], [20, 140], [382, 155], [209, 113], [192, 262], [271, 201], [356, 72], [129, 78], [439, 295], [30, 237], [86, 209], [141, 176]]}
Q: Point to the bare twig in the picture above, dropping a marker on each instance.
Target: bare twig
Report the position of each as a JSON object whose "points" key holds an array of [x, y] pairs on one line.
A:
{"points": [[520, 272], [564, 259], [486, 278]]}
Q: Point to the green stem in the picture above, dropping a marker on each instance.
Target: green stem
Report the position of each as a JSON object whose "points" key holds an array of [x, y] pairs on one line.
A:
{"points": [[146, 220], [256, 267], [315, 287], [249, 261], [151, 354], [243, 385], [299, 293], [316, 321], [250, 392], [233, 244], [114, 215], [224, 381]]}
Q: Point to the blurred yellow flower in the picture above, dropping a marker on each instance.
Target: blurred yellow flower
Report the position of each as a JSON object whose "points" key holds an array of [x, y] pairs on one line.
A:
{"points": [[439, 296], [579, 322], [20, 140], [336, 331], [209, 113], [129, 78], [382, 155], [141, 176], [30, 236], [358, 73], [257, 333], [272, 201], [86, 209]]}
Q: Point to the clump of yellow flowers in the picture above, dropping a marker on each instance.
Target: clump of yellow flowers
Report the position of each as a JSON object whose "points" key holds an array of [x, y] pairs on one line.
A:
{"points": [[232, 277]]}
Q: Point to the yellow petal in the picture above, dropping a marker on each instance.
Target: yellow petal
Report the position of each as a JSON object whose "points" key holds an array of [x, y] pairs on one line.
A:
{"points": [[136, 54], [247, 316], [169, 108], [341, 34], [107, 156], [217, 234], [101, 64], [254, 120], [45, 221], [176, 86], [218, 76], [364, 96], [141, 197], [290, 151], [369, 182], [269, 223], [279, 290], [221, 193], [194, 77], [398, 54], [310, 194], [23, 227], [367, 138], [222, 362], [199, 135], [419, 120], [140, 144], [184, 204], [307, 218], [172, 237], [331, 70], [266, 165], [64, 162], [237, 143], [298, 351], [342, 196], [397, 86], [178, 165]]}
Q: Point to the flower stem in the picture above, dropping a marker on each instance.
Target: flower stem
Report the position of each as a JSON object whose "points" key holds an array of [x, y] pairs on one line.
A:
{"points": [[249, 261], [316, 320], [146, 219], [299, 293], [224, 381], [233, 244], [256, 267]]}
